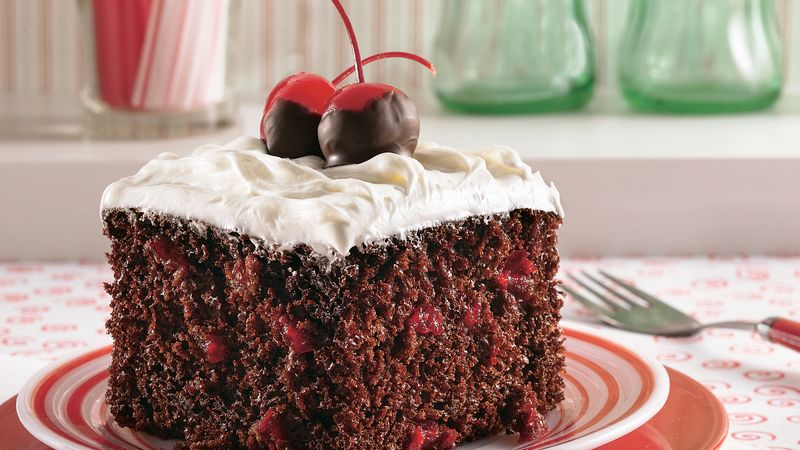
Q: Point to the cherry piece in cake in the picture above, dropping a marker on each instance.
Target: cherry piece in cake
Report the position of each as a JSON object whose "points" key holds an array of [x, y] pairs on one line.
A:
{"points": [[292, 113], [515, 275], [530, 424], [216, 349], [168, 254], [472, 315], [297, 338], [426, 319], [518, 264], [270, 429], [430, 435]]}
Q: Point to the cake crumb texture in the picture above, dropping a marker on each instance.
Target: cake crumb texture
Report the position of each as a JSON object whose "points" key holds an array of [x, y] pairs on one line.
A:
{"points": [[448, 334]]}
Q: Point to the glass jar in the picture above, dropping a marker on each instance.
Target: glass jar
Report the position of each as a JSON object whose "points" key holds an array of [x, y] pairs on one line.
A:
{"points": [[158, 68], [709, 56], [513, 56]]}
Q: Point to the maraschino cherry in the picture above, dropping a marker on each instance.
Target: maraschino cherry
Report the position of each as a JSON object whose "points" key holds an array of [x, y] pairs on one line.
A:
{"points": [[365, 119], [306, 115]]}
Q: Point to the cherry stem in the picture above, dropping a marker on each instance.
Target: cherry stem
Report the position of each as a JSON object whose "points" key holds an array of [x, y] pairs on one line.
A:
{"points": [[378, 56], [353, 42]]}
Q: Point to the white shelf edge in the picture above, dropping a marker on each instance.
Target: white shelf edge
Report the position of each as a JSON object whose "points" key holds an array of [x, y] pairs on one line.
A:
{"points": [[600, 132]]}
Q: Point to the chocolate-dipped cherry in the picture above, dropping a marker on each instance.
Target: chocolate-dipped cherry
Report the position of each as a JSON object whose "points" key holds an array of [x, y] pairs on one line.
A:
{"points": [[292, 114], [366, 119]]}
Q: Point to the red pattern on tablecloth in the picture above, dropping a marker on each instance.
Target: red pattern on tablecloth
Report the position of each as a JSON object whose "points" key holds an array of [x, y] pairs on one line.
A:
{"points": [[758, 382], [47, 310], [50, 309]]}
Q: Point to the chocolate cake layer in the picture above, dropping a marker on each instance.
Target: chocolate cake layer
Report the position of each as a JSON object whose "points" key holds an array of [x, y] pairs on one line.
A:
{"points": [[440, 337]]}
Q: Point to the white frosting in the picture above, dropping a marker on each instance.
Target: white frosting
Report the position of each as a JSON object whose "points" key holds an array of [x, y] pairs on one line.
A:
{"points": [[238, 187]]}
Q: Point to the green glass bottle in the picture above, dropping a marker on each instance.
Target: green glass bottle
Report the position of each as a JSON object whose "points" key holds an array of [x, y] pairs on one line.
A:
{"points": [[513, 56], [709, 56]]}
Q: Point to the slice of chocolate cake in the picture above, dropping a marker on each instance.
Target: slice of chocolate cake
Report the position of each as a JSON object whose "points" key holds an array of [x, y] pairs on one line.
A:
{"points": [[404, 302]]}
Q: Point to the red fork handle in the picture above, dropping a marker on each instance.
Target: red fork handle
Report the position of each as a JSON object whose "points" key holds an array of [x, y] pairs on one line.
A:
{"points": [[781, 331]]}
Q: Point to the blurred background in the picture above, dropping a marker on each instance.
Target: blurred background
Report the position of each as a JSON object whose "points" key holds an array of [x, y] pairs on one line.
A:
{"points": [[669, 126], [43, 67]]}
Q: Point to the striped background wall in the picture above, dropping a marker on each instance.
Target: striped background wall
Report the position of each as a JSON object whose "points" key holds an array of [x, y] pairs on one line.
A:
{"points": [[41, 69]]}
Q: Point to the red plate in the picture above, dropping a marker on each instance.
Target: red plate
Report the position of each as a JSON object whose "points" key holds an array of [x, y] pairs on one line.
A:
{"points": [[692, 418]]}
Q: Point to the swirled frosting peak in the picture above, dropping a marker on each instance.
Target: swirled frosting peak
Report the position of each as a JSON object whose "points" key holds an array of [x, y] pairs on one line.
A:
{"points": [[285, 202]]}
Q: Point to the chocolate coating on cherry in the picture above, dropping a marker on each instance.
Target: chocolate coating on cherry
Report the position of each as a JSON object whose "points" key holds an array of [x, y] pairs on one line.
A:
{"points": [[366, 119], [292, 114], [290, 130]]}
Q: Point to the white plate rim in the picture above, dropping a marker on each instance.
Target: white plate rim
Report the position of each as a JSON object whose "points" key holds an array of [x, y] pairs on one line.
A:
{"points": [[654, 403]]}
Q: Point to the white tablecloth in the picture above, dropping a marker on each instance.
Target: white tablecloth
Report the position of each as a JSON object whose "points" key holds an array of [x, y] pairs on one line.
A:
{"points": [[47, 310]]}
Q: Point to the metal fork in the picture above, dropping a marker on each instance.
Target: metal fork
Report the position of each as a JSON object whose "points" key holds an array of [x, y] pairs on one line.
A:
{"points": [[625, 306]]}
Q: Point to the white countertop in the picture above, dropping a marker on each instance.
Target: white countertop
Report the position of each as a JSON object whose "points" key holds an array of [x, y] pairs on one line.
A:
{"points": [[605, 131]]}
